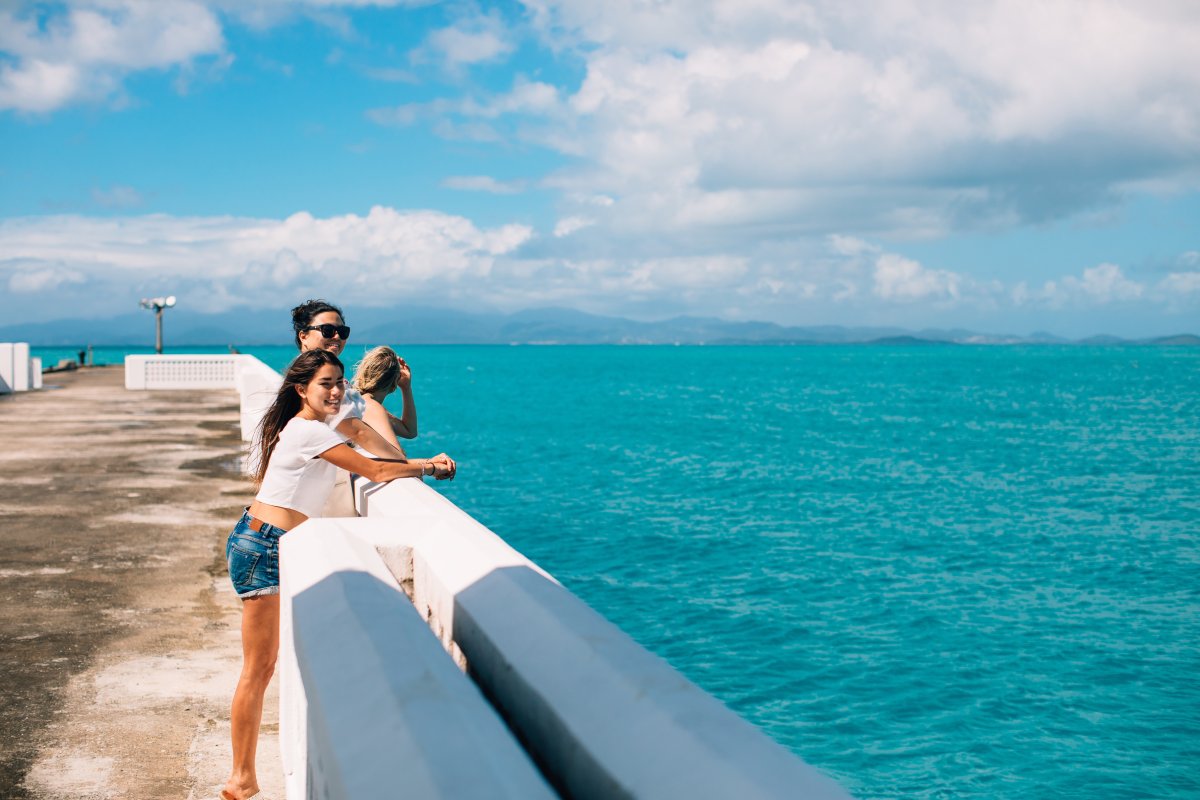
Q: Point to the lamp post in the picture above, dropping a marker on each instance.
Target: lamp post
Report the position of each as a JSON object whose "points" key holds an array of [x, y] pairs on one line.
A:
{"points": [[157, 304]]}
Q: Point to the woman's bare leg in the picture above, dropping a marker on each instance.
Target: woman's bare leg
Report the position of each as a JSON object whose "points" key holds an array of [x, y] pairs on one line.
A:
{"points": [[260, 647]]}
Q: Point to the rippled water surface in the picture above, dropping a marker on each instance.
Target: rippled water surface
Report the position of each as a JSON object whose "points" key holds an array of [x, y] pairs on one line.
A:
{"points": [[930, 571]]}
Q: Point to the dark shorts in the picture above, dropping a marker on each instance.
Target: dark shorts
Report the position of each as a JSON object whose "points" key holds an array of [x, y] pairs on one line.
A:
{"points": [[253, 558]]}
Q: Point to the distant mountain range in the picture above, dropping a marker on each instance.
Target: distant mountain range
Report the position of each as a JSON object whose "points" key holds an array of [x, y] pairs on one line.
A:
{"points": [[422, 325]]}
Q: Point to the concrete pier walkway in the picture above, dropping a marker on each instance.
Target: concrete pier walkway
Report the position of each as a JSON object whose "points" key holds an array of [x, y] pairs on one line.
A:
{"points": [[119, 643]]}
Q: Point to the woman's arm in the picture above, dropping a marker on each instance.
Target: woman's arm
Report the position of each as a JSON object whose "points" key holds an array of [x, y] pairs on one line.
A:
{"points": [[380, 471], [366, 437], [406, 426], [376, 416]]}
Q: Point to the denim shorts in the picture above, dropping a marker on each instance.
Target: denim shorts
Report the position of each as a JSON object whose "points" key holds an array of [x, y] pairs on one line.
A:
{"points": [[253, 558]]}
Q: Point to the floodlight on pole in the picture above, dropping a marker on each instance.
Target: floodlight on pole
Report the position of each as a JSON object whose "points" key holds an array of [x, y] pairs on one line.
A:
{"points": [[157, 304]]}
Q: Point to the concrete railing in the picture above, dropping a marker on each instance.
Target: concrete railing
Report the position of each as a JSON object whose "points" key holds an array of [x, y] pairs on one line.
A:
{"points": [[19, 372], [255, 382], [601, 716], [370, 704]]}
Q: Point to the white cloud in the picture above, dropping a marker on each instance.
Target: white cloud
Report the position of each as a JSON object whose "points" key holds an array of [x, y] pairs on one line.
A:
{"points": [[469, 42], [1179, 291], [1179, 285], [386, 256], [38, 86], [525, 97], [84, 52], [41, 280], [850, 246], [1104, 283], [568, 225], [898, 118], [483, 183], [425, 257], [905, 280], [1100, 285]]}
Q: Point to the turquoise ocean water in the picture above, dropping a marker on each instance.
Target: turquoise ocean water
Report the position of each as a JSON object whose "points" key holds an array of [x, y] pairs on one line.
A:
{"points": [[931, 571]]}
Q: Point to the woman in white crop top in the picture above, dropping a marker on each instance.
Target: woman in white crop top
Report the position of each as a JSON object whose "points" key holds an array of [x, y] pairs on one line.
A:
{"points": [[297, 458]]}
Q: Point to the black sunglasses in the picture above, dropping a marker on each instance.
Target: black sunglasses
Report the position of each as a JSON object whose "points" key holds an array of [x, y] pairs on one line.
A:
{"points": [[328, 330]]}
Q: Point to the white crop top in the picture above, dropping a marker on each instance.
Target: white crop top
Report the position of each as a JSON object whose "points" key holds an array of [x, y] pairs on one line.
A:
{"points": [[297, 478]]}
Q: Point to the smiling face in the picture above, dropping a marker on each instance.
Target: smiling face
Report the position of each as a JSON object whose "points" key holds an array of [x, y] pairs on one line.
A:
{"points": [[313, 340], [322, 395]]}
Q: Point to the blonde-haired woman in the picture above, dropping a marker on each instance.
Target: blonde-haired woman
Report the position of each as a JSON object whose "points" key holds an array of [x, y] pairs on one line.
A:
{"points": [[380, 373]]}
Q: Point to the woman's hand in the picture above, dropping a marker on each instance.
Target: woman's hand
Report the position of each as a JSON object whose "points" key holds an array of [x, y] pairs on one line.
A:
{"points": [[443, 467], [404, 380]]}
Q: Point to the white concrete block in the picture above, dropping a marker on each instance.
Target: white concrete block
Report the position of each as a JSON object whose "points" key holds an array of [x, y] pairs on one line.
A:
{"points": [[604, 716], [135, 372], [388, 714], [20, 368], [257, 384], [35, 372], [6, 367]]}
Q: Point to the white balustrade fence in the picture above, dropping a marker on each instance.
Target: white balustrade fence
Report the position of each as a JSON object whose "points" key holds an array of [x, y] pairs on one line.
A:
{"points": [[255, 382], [180, 372]]}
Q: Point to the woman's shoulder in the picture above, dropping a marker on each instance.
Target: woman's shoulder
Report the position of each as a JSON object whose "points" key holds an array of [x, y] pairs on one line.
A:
{"points": [[307, 437]]}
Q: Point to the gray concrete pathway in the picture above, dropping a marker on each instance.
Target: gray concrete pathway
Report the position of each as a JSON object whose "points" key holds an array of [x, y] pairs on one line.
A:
{"points": [[119, 643]]}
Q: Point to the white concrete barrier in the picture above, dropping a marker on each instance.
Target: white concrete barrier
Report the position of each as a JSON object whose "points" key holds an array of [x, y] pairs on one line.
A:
{"points": [[20, 369], [16, 368], [257, 384], [373, 706], [602, 716], [35, 372], [6, 367]]}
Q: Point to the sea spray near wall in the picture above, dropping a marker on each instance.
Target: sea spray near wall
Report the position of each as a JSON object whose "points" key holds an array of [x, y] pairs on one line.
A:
{"points": [[931, 571]]}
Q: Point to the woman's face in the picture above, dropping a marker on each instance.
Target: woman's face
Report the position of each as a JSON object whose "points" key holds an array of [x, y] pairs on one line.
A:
{"points": [[315, 340], [323, 394]]}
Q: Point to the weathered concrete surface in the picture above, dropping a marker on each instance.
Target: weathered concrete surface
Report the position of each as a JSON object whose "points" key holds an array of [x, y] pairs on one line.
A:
{"points": [[119, 643]]}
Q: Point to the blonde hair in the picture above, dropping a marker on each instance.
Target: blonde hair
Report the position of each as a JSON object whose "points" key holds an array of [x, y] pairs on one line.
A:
{"points": [[379, 369]]}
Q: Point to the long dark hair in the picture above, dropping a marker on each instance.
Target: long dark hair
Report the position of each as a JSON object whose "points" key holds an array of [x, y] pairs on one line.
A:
{"points": [[287, 403], [303, 314]]}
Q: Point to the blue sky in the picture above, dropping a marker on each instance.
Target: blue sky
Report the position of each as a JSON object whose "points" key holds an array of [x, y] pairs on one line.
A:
{"points": [[1001, 166]]}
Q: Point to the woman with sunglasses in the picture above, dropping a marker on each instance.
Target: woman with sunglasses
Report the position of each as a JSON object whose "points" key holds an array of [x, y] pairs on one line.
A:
{"points": [[297, 455]]}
